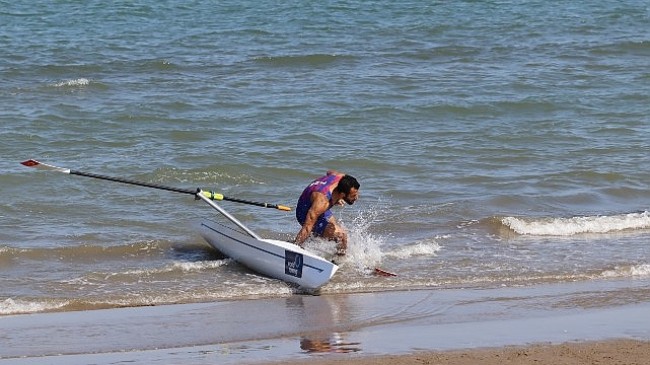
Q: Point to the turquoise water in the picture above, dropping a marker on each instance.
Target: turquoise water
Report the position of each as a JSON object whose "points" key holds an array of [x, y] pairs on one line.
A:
{"points": [[497, 143]]}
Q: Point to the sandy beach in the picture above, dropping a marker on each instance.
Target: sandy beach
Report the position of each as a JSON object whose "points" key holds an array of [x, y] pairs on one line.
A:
{"points": [[614, 352]]}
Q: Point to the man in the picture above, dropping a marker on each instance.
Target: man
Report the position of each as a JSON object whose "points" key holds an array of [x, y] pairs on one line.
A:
{"points": [[313, 210]]}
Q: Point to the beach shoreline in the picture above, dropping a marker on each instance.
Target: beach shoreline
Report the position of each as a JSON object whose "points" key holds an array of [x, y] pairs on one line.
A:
{"points": [[609, 352], [402, 327]]}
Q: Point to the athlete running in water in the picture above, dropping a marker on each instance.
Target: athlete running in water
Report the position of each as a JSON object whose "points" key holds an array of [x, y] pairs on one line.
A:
{"points": [[313, 210]]}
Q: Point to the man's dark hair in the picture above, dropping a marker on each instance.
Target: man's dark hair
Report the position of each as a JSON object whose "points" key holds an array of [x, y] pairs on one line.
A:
{"points": [[346, 183]]}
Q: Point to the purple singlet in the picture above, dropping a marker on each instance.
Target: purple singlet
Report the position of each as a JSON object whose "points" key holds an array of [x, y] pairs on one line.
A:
{"points": [[322, 185]]}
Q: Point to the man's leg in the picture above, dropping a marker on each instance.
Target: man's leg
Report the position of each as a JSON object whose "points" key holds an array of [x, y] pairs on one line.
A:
{"points": [[334, 232]]}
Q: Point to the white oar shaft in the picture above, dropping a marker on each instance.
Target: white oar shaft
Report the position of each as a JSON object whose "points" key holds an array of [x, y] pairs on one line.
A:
{"points": [[227, 215]]}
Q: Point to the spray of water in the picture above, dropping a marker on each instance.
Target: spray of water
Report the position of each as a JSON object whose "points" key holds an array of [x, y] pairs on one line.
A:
{"points": [[364, 248]]}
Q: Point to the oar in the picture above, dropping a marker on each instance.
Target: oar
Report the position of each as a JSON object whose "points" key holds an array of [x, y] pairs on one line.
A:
{"points": [[207, 194]]}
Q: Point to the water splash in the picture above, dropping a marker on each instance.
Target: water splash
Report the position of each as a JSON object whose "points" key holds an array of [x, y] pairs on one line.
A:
{"points": [[364, 247]]}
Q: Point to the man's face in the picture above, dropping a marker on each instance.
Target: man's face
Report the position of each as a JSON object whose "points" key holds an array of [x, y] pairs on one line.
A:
{"points": [[352, 196]]}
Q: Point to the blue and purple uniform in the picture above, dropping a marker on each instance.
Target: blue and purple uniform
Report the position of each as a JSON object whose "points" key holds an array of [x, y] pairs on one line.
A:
{"points": [[322, 185]]}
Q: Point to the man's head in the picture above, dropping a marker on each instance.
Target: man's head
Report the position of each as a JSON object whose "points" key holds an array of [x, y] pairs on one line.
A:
{"points": [[349, 187]]}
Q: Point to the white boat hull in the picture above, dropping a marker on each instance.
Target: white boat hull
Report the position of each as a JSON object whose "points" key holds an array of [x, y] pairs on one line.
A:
{"points": [[277, 259]]}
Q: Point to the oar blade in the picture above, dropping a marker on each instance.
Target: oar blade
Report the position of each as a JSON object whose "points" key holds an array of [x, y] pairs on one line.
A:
{"points": [[44, 166], [382, 272]]}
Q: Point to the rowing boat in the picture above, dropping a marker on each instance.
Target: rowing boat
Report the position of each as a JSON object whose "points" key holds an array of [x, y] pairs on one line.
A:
{"points": [[277, 259]]}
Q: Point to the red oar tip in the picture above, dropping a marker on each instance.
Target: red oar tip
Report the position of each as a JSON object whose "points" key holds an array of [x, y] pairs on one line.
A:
{"points": [[382, 272], [30, 163]]}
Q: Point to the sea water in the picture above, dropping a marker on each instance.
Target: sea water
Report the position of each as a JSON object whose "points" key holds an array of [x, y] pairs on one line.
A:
{"points": [[498, 143]]}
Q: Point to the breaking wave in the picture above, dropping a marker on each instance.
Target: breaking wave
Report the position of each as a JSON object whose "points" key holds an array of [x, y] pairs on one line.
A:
{"points": [[578, 225], [19, 306], [634, 271], [428, 247], [185, 267]]}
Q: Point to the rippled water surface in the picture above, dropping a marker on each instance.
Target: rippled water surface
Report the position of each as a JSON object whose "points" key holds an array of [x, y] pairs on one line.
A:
{"points": [[497, 143]]}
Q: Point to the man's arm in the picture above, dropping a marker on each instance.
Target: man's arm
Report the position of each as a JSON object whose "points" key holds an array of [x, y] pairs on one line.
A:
{"points": [[319, 205]]}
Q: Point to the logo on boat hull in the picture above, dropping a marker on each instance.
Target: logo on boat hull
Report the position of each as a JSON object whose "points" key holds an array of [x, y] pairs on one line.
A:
{"points": [[293, 263]]}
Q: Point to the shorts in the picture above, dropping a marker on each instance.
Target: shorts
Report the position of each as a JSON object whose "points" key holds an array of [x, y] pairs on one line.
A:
{"points": [[321, 222]]}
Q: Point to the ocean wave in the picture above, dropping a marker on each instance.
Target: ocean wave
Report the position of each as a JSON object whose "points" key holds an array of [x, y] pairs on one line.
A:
{"points": [[200, 265], [301, 60], [20, 306], [89, 252], [634, 271], [186, 267], [137, 275], [264, 288], [627, 46], [72, 83], [268, 289], [428, 247], [578, 225]]}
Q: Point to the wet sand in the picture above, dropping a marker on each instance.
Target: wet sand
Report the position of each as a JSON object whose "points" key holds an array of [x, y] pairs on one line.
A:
{"points": [[615, 352], [605, 322]]}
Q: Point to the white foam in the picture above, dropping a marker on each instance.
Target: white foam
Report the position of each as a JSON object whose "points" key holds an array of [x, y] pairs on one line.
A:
{"points": [[578, 225], [183, 266], [76, 82], [628, 271], [199, 265], [19, 306], [428, 247], [364, 249]]}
